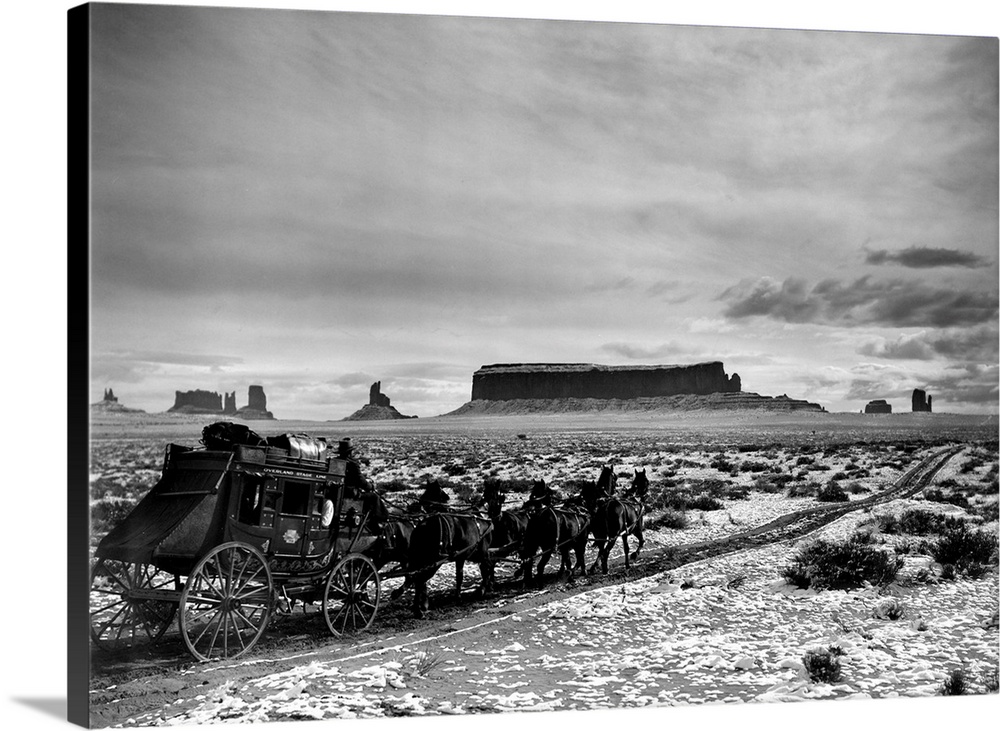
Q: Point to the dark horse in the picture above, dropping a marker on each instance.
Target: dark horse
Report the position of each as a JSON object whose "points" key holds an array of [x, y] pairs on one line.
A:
{"points": [[553, 529], [448, 537], [395, 544], [509, 526], [613, 516]]}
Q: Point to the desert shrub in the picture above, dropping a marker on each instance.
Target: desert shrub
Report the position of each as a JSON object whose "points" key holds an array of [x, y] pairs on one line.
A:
{"points": [[914, 547], [856, 488], [106, 515], [822, 666], [669, 500], [395, 485], [722, 464], [755, 466], [889, 608], [672, 519], [964, 548], [454, 470], [887, 523], [832, 492], [769, 485], [922, 522], [989, 511], [804, 460], [465, 493], [827, 564], [955, 683], [704, 502], [803, 489], [935, 495], [991, 681], [819, 467]]}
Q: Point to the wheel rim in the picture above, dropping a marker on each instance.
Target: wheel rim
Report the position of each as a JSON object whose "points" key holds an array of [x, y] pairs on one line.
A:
{"points": [[226, 602], [119, 620], [351, 598]]}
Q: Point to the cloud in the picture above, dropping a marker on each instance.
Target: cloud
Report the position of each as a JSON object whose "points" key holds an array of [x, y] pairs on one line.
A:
{"points": [[894, 302], [922, 257], [975, 344], [132, 366], [640, 352]]}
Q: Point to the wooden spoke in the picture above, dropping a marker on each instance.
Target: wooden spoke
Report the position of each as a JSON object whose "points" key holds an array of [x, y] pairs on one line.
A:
{"points": [[351, 597], [121, 620], [226, 603]]}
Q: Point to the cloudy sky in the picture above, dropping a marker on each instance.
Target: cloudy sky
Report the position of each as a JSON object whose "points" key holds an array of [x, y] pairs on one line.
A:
{"points": [[313, 201]]}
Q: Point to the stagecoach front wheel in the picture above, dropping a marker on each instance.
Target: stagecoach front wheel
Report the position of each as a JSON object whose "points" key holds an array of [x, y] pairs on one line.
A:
{"points": [[226, 602], [351, 598], [130, 604]]}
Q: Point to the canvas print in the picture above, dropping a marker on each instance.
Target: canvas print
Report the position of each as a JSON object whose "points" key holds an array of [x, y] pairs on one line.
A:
{"points": [[451, 366]]}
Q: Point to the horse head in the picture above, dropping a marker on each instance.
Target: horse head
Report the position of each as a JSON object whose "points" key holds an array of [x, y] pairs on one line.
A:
{"points": [[434, 494], [493, 498], [607, 480], [640, 484], [591, 495]]}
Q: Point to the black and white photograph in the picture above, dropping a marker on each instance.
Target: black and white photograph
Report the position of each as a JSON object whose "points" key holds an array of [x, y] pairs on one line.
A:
{"points": [[446, 365]]}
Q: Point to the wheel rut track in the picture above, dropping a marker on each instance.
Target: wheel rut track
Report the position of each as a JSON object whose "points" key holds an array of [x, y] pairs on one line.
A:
{"points": [[301, 635]]}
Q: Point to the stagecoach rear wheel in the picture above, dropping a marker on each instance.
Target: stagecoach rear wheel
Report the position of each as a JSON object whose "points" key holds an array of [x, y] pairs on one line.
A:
{"points": [[226, 603], [125, 611], [351, 597]]}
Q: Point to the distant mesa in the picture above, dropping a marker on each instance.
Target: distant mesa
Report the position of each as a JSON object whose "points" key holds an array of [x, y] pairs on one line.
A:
{"points": [[515, 388], [210, 402], [921, 401], [503, 382], [109, 404], [878, 406], [378, 408]]}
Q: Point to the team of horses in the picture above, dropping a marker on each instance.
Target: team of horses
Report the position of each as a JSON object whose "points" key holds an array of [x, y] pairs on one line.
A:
{"points": [[429, 533]]}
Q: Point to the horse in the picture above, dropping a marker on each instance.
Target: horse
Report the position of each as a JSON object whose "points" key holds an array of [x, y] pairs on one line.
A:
{"points": [[443, 538], [508, 525], [618, 516], [555, 528]]}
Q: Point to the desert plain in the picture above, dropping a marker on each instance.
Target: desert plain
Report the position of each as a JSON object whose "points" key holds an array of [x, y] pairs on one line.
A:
{"points": [[735, 627]]}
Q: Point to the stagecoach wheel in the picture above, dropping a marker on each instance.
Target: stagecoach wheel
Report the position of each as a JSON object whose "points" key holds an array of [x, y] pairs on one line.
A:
{"points": [[120, 616], [226, 602], [352, 594]]}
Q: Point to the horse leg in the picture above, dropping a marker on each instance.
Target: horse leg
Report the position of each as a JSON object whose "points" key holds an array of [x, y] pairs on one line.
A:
{"points": [[605, 553], [459, 568], [599, 545], [581, 550], [541, 565], [564, 562], [420, 603], [625, 549], [526, 565], [638, 535], [486, 573]]}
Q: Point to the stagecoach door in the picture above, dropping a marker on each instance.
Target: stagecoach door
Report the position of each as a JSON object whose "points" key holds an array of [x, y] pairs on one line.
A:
{"points": [[299, 506]]}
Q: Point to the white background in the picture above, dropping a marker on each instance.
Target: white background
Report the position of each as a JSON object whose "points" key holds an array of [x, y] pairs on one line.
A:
{"points": [[33, 478]]}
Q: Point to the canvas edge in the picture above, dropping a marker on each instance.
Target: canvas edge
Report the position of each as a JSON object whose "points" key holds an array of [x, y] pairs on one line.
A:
{"points": [[78, 363]]}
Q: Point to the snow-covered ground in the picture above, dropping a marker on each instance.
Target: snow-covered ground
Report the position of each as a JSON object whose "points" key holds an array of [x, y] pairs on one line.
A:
{"points": [[650, 643]]}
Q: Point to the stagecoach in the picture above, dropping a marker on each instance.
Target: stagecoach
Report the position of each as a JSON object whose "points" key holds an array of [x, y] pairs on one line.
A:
{"points": [[228, 532]]}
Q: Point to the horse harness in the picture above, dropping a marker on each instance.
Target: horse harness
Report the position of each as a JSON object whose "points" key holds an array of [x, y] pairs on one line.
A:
{"points": [[448, 534]]}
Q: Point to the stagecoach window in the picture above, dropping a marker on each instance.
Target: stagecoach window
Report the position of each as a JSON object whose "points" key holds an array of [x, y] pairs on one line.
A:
{"points": [[251, 499], [296, 499]]}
